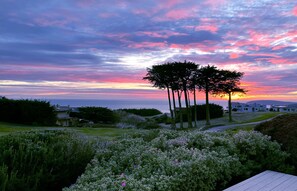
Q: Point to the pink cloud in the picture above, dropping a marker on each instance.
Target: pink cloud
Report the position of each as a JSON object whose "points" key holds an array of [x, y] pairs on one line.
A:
{"points": [[274, 78], [233, 56], [295, 11], [280, 61], [207, 28], [179, 14]]}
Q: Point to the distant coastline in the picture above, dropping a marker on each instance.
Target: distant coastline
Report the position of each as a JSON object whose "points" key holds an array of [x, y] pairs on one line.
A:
{"points": [[161, 105]]}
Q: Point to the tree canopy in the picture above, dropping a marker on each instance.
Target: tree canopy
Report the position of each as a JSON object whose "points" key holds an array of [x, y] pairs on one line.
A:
{"points": [[188, 77]]}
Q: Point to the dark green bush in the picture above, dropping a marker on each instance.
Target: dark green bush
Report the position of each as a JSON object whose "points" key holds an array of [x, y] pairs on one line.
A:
{"points": [[30, 112], [283, 129], [96, 114], [148, 125], [143, 112], [215, 111], [42, 160]]}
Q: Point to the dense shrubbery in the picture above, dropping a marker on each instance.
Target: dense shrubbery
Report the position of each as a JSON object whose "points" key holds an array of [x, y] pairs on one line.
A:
{"points": [[30, 112], [96, 114], [215, 111], [143, 112], [42, 160], [174, 160], [284, 130]]}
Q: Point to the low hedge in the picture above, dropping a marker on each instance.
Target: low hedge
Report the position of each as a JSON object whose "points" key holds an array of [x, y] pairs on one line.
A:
{"points": [[143, 112], [42, 160]]}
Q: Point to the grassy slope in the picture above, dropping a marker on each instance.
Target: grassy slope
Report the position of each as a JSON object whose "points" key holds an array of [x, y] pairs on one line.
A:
{"points": [[238, 118]]}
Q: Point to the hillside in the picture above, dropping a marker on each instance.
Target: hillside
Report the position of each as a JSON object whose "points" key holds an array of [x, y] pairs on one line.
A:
{"points": [[271, 102]]}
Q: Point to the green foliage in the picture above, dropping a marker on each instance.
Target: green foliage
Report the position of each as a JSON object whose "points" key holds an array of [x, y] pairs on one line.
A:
{"points": [[175, 160], [29, 112], [96, 114], [143, 112], [162, 119], [284, 130], [42, 160]]}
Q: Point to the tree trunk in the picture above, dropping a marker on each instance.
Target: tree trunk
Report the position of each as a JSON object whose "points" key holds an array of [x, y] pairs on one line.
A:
{"points": [[229, 107], [187, 106], [207, 108], [170, 108], [174, 105], [195, 109], [181, 125]]}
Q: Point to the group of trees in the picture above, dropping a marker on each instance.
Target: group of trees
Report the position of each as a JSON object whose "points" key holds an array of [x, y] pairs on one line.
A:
{"points": [[29, 112], [185, 78]]}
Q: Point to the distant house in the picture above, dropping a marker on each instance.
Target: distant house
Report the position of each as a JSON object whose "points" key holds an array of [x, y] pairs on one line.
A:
{"points": [[284, 108], [255, 107], [63, 116], [243, 107]]}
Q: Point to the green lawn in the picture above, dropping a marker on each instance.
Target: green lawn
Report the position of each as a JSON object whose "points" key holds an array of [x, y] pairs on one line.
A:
{"points": [[6, 128], [106, 131], [263, 116]]}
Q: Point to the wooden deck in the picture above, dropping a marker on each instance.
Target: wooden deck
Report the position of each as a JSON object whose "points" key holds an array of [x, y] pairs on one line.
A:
{"points": [[267, 181]]}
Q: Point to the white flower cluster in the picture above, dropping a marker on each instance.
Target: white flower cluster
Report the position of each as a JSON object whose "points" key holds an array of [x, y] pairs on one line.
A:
{"points": [[173, 160]]}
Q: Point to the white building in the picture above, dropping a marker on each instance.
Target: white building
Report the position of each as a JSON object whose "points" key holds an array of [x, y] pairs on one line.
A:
{"points": [[243, 107], [255, 107], [282, 108], [63, 117]]}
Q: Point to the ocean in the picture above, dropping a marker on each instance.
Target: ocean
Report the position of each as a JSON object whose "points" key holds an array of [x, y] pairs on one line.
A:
{"points": [[161, 105]]}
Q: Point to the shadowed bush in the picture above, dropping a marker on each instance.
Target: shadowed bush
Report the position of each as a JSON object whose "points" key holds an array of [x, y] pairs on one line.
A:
{"points": [[42, 160], [143, 112], [96, 114], [283, 129], [29, 112]]}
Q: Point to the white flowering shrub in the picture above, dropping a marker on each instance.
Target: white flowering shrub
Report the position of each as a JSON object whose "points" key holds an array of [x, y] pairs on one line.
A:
{"points": [[128, 120], [178, 161]]}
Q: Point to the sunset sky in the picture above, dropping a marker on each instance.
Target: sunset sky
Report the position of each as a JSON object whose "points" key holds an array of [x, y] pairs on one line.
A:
{"points": [[98, 49]]}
